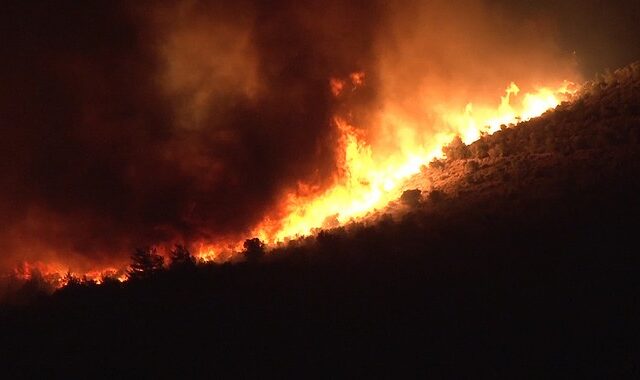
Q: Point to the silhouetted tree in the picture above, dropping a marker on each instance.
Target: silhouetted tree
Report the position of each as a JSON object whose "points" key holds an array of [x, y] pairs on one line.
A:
{"points": [[70, 280], [145, 263], [86, 281], [110, 280], [34, 288], [181, 258], [253, 249]]}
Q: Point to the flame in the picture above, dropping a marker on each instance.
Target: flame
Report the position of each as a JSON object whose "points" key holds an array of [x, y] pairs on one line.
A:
{"points": [[369, 176], [474, 121], [55, 274], [369, 179]]}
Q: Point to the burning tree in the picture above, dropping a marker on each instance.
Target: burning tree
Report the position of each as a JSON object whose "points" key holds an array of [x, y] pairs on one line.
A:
{"points": [[70, 280], [253, 249], [145, 263], [181, 257]]}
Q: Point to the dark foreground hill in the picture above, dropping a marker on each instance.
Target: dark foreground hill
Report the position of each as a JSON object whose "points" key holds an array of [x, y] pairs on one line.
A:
{"points": [[519, 260]]}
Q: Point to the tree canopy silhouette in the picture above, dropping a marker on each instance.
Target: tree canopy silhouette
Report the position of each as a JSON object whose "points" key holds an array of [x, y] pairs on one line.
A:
{"points": [[181, 258], [145, 263], [70, 280], [253, 249]]}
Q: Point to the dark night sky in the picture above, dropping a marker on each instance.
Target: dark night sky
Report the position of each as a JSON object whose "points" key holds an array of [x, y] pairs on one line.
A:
{"points": [[602, 33], [125, 124]]}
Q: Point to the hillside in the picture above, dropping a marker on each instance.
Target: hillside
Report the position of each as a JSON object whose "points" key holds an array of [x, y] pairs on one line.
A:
{"points": [[595, 135], [516, 257]]}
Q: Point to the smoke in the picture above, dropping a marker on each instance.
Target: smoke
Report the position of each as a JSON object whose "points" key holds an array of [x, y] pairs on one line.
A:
{"points": [[438, 57], [600, 34], [126, 125], [131, 124]]}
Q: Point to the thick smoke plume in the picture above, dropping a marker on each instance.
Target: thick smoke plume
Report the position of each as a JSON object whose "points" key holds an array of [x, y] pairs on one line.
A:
{"points": [[133, 123]]}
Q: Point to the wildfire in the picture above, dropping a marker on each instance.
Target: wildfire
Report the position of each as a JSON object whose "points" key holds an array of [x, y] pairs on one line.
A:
{"points": [[370, 179], [58, 275], [474, 121]]}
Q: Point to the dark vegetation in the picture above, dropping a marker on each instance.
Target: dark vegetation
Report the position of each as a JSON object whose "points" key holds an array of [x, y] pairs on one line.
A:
{"points": [[520, 261]]}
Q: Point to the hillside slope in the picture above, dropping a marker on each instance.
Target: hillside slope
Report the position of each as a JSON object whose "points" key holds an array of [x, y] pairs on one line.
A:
{"points": [[574, 145], [519, 259]]}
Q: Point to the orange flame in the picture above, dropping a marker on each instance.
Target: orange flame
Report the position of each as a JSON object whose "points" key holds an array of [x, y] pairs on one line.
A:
{"points": [[368, 178], [55, 274]]}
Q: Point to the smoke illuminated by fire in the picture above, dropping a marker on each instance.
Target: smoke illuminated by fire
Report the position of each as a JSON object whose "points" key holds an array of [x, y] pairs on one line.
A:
{"points": [[208, 124], [366, 180], [369, 181]]}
